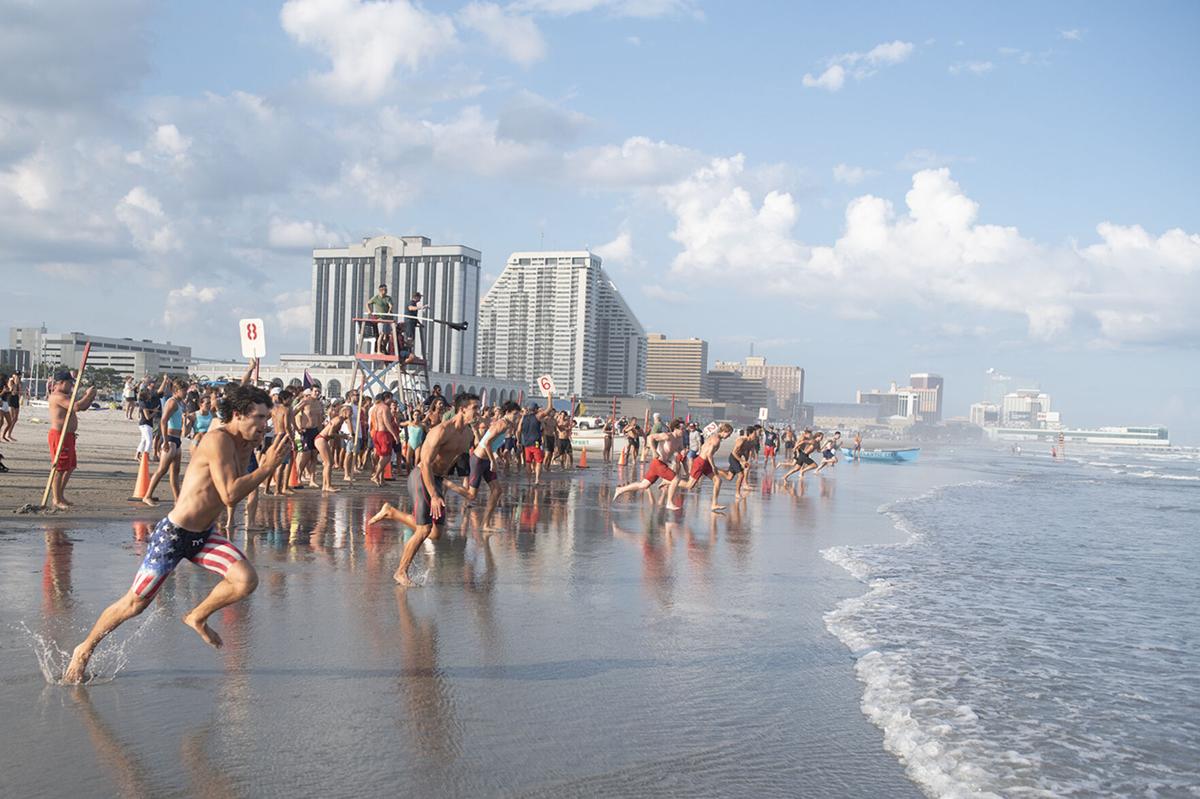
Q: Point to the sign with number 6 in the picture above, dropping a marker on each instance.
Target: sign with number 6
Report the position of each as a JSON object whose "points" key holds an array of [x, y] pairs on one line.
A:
{"points": [[254, 338], [546, 384]]}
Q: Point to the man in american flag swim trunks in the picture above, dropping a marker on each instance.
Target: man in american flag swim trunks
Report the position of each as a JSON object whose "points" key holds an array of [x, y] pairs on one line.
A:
{"points": [[216, 477]]}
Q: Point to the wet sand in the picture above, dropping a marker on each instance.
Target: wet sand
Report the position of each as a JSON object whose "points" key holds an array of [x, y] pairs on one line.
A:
{"points": [[561, 645]]}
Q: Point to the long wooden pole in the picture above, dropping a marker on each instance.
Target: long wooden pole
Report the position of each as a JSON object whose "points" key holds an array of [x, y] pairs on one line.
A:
{"points": [[62, 438]]}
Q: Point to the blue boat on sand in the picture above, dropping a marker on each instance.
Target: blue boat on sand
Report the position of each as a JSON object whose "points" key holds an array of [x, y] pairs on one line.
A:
{"points": [[886, 455]]}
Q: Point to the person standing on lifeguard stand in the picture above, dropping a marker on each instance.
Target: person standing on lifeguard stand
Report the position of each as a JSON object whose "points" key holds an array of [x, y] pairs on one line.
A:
{"points": [[378, 305]]}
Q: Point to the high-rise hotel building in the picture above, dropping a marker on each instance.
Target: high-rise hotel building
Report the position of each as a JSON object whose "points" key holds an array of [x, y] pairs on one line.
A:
{"points": [[677, 366], [558, 313], [446, 275]]}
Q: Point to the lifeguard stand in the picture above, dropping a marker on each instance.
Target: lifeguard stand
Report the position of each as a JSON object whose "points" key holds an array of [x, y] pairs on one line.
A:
{"points": [[412, 379]]}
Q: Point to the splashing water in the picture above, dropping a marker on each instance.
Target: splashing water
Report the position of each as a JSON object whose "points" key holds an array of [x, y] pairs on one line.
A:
{"points": [[106, 662]]}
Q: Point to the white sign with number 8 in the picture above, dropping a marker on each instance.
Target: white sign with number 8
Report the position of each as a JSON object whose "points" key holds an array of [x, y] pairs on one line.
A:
{"points": [[546, 384], [254, 338]]}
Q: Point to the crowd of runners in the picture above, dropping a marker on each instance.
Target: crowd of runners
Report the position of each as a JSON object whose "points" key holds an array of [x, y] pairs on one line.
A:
{"points": [[246, 440]]}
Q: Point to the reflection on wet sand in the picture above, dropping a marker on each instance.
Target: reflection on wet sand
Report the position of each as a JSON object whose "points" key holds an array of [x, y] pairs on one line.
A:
{"points": [[127, 771], [430, 717]]}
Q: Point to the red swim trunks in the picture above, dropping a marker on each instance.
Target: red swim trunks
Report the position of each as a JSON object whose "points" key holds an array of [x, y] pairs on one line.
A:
{"points": [[768, 452], [701, 468], [534, 454], [384, 442], [659, 471], [66, 459]]}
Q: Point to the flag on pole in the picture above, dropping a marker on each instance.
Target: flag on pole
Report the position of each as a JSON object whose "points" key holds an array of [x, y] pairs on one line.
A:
{"points": [[308, 380]]}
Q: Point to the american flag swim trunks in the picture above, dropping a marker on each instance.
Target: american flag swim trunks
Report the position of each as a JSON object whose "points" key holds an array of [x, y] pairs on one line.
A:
{"points": [[170, 544]]}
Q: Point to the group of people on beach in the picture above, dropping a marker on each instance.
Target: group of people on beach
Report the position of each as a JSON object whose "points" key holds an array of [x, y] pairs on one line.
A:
{"points": [[244, 437]]}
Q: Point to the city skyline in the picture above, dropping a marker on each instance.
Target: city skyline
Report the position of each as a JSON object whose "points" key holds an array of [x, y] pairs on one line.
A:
{"points": [[895, 193]]}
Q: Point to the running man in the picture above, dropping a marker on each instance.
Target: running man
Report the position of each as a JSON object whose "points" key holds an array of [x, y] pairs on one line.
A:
{"points": [[442, 448], [531, 438], [739, 459], [667, 445], [802, 460], [705, 465], [60, 405], [217, 479]]}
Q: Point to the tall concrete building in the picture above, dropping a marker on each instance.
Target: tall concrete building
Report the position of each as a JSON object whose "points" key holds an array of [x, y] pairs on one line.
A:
{"points": [[676, 366], [929, 386], [447, 275], [784, 383], [559, 313]]}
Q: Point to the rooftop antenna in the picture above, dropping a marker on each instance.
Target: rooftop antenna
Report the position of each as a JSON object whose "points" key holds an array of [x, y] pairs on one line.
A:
{"points": [[751, 349]]}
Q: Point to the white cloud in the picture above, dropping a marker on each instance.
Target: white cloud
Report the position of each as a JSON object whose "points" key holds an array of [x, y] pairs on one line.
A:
{"points": [[831, 80], [32, 181], [168, 141], [142, 214], [182, 305], [515, 35], [1130, 288], [971, 67], [1073, 35], [852, 175], [293, 311], [365, 41], [638, 161], [633, 41], [529, 117], [619, 250], [283, 234], [858, 65]]}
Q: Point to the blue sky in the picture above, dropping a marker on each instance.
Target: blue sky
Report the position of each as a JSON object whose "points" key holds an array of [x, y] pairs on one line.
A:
{"points": [[866, 190]]}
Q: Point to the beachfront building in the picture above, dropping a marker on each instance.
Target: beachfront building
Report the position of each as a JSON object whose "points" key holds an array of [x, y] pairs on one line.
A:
{"points": [[844, 416], [676, 366], [343, 279], [928, 388], [784, 383], [1022, 408], [126, 356], [559, 313]]}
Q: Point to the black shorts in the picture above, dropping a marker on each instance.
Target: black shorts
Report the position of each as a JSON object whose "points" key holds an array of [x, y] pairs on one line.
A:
{"points": [[548, 444], [735, 466], [481, 469], [308, 438], [461, 467], [422, 502], [634, 442], [564, 446], [803, 459]]}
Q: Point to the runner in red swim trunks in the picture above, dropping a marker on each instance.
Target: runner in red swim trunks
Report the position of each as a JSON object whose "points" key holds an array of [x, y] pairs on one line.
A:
{"points": [[666, 445], [384, 434], [60, 403], [217, 477]]}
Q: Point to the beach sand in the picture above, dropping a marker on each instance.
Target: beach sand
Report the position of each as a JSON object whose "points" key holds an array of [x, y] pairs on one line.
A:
{"points": [[562, 646]]}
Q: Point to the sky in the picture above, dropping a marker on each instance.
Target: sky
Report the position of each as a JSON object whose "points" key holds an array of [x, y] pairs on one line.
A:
{"points": [[866, 190]]}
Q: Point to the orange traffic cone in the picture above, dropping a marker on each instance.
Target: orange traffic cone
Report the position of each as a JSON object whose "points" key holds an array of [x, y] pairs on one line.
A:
{"points": [[583, 458], [143, 479], [387, 470], [622, 461], [294, 479]]}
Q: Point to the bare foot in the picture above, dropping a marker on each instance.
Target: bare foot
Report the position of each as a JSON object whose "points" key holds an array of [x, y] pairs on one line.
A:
{"points": [[330, 490], [384, 512], [61, 506], [717, 508], [402, 579], [151, 501], [206, 633], [77, 669]]}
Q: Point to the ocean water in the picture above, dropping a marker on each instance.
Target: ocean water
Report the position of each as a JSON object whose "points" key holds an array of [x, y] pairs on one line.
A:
{"points": [[1035, 633]]}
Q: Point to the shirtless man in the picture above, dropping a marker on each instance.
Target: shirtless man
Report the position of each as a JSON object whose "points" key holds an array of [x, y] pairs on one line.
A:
{"points": [[549, 432], [310, 413], [739, 459], [171, 426], [384, 434], [217, 478], [60, 404], [704, 465], [803, 459], [442, 447], [283, 422], [666, 446]]}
